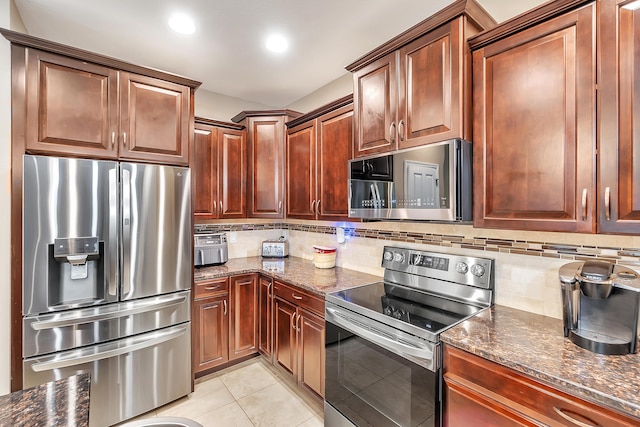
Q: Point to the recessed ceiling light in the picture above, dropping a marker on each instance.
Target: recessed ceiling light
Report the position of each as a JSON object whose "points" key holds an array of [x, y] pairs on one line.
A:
{"points": [[632, 6], [181, 23], [277, 43]]}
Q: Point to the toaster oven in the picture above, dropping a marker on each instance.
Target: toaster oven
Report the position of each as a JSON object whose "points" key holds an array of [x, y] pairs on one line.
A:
{"points": [[275, 248]]}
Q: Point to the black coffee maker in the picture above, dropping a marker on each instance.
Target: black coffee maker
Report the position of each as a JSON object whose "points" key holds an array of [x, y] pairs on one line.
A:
{"points": [[600, 306]]}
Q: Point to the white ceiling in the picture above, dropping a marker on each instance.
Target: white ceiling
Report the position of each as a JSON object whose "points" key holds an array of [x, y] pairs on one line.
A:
{"points": [[227, 50]]}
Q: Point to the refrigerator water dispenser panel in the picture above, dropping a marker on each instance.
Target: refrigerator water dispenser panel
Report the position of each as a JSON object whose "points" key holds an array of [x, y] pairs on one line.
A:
{"points": [[77, 251]]}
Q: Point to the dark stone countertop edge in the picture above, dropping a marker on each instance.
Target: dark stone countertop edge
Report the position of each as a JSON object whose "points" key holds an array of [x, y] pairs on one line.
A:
{"points": [[563, 384], [360, 278]]}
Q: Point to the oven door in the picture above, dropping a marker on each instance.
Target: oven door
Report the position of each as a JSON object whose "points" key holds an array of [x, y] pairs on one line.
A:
{"points": [[377, 375]]}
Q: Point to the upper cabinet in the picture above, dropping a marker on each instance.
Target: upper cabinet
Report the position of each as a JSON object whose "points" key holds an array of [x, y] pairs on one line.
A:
{"points": [[535, 127], [554, 129], [319, 146], [416, 88], [266, 161], [619, 96], [81, 104], [219, 170]]}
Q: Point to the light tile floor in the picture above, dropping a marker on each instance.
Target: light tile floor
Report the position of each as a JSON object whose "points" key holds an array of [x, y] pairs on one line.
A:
{"points": [[251, 393]]}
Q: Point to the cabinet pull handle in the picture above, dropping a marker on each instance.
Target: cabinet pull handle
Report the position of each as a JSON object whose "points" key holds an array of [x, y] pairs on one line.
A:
{"points": [[113, 139], [572, 420], [212, 288], [280, 206], [298, 323], [215, 207], [313, 206], [269, 293], [224, 302], [392, 131], [584, 204], [296, 296], [401, 130], [318, 207], [293, 319], [124, 139], [607, 203], [221, 207]]}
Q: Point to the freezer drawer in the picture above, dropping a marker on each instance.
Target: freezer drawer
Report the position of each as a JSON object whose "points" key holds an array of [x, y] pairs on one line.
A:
{"points": [[128, 377], [50, 333]]}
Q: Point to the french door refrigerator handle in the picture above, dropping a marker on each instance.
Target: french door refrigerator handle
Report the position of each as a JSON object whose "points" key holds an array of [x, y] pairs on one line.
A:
{"points": [[126, 232], [113, 231], [155, 339], [140, 307]]}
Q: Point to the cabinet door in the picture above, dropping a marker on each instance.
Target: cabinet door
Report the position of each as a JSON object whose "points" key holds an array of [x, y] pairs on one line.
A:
{"points": [[205, 171], [72, 106], [619, 200], [210, 333], [154, 119], [375, 101], [430, 87], [311, 351], [233, 172], [243, 330], [284, 335], [266, 167], [265, 302], [301, 171], [334, 150], [462, 404], [534, 127]]}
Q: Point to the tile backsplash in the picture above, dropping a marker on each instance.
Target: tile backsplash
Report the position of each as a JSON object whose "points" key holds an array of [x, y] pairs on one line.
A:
{"points": [[527, 263]]}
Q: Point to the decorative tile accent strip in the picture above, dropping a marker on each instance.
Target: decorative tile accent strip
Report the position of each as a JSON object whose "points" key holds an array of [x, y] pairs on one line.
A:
{"points": [[629, 256]]}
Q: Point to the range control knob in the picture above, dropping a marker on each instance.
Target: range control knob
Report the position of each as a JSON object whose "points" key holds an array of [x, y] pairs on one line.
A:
{"points": [[398, 257], [477, 270], [462, 267], [388, 256]]}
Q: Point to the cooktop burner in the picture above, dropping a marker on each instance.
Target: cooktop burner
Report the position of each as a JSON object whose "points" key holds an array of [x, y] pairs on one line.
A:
{"points": [[422, 293]]}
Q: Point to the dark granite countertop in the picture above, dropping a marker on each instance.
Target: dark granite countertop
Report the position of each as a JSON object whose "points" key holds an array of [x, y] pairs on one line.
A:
{"points": [[535, 345], [63, 402], [296, 271]]}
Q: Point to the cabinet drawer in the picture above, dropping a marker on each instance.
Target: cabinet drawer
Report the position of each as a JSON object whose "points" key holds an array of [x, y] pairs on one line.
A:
{"points": [[522, 394], [209, 288], [299, 297]]}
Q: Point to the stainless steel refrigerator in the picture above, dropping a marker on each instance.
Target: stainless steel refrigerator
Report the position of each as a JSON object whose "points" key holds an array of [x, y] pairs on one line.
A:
{"points": [[106, 281]]}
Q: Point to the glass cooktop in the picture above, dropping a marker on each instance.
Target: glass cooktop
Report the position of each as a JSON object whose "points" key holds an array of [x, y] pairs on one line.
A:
{"points": [[404, 308]]}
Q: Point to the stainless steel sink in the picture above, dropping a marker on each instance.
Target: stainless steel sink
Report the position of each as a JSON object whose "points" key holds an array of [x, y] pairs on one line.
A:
{"points": [[162, 422]]}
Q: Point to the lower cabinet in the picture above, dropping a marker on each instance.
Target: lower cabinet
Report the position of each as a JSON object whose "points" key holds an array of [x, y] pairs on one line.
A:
{"points": [[299, 336], [265, 315], [210, 324], [243, 323], [493, 395], [223, 321]]}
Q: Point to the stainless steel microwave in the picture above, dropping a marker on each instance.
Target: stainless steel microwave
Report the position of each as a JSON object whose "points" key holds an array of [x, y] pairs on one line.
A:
{"points": [[431, 182]]}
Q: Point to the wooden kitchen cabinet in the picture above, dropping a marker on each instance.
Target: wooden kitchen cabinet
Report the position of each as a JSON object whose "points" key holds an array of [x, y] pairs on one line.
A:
{"points": [[219, 170], [535, 124], [75, 107], [243, 323], [319, 146], [416, 88], [299, 336], [266, 161], [494, 395], [619, 95], [265, 315], [210, 324]]}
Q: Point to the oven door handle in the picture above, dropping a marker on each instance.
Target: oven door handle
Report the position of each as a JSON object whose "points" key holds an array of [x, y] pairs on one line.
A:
{"points": [[406, 348]]}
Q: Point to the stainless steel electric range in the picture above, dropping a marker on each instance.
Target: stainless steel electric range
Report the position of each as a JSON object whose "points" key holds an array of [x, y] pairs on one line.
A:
{"points": [[383, 363]]}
